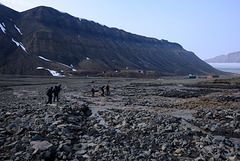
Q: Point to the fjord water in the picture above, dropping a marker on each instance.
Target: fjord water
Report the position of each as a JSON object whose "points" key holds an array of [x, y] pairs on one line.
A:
{"points": [[227, 67]]}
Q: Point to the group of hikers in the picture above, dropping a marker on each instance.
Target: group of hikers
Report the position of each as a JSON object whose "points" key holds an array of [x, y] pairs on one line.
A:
{"points": [[93, 90], [53, 93]]}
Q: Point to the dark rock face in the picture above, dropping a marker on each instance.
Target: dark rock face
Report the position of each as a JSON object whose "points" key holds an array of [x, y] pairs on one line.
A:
{"points": [[86, 45]]}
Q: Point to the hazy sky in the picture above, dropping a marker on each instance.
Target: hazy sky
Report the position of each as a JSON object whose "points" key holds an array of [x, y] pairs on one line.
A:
{"points": [[206, 27]]}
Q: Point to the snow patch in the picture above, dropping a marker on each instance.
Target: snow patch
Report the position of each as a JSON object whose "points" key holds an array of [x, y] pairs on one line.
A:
{"points": [[87, 58], [71, 66], [44, 58], [2, 26], [53, 72], [65, 65], [40, 67], [74, 70], [19, 44], [18, 29]]}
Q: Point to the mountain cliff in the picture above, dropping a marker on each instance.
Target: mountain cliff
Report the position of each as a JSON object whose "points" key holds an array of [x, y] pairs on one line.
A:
{"points": [[228, 58], [42, 39]]}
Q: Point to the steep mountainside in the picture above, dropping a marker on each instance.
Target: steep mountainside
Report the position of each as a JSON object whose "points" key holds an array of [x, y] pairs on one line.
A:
{"points": [[45, 37], [229, 58]]}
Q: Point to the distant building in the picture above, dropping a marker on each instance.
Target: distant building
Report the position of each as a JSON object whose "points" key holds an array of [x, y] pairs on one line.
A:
{"points": [[212, 76], [190, 76], [141, 71]]}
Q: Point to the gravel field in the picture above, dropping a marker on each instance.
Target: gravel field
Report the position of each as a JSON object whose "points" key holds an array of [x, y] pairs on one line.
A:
{"points": [[141, 119]]}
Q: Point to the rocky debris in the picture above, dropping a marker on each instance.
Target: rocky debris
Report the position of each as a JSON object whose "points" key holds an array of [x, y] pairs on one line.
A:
{"points": [[186, 93], [38, 131], [224, 122], [229, 98], [63, 133], [135, 123]]}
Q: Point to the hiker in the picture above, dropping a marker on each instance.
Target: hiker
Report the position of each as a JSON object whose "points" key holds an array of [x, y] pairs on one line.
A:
{"points": [[93, 91], [102, 89], [56, 92], [108, 91], [49, 94]]}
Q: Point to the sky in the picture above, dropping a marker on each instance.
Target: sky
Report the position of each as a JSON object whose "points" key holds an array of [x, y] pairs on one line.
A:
{"points": [[208, 28]]}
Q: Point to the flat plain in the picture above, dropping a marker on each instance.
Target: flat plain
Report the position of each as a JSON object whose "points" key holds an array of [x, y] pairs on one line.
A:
{"points": [[142, 119]]}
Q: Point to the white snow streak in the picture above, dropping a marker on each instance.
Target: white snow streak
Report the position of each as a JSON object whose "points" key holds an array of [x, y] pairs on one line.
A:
{"points": [[87, 58], [40, 67], [18, 29], [44, 58], [20, 44], [2, 26], [65, 65], [71, 67], [53, 72]]}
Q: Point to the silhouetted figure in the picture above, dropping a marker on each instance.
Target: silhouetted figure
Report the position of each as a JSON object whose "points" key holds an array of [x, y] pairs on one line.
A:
{"points": [[49, 94], [102, 89], [56, 92], [108, 90], [93, 91]]}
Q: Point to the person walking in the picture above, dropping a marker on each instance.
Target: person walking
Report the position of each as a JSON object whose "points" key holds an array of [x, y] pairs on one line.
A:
{"points": [[108, 90], [93, 91], [49, 94], [102, 89], [56, 92]]}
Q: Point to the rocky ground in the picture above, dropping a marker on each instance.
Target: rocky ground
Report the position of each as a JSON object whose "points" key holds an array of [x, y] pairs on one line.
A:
{"points": [[165, 119]]}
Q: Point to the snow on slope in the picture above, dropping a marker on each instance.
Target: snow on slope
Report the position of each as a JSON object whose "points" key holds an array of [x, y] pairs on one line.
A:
{"points": [[53, 72], [19, 44], [2, 26], [71, 67], [43, 58], [18, 29]]}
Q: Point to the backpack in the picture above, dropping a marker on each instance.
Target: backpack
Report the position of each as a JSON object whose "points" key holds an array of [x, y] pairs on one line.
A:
{"points": [[49, 92]]}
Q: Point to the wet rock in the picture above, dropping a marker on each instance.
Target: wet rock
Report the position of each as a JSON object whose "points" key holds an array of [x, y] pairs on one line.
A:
{"points": [[40, 145], [81, 152], [37, 137], [237, 117], [86, 110]]}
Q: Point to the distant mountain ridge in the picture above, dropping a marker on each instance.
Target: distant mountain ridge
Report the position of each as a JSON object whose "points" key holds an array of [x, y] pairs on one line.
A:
{"points": [[228, 58], [73, 45]]}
